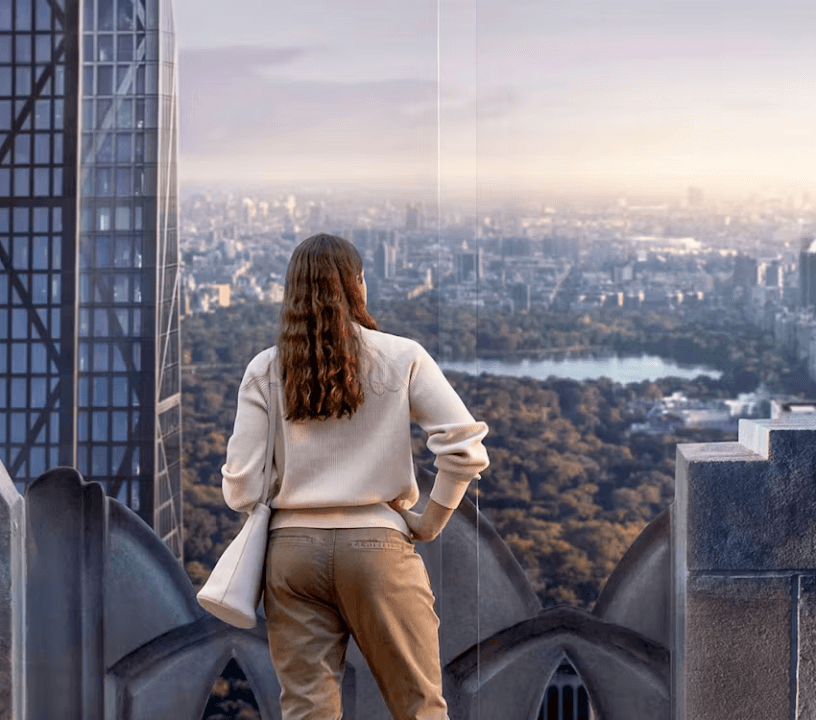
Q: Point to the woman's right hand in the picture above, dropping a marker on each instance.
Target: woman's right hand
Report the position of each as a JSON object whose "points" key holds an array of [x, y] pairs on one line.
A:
{"points": [[429, 524]]}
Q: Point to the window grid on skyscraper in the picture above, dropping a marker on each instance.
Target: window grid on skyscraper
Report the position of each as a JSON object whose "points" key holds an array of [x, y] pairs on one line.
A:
{"points": [[36, 239], [90, 355]]}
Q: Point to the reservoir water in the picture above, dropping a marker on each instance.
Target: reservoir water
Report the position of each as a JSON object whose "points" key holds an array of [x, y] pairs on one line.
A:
{"points": [[619, 369]]}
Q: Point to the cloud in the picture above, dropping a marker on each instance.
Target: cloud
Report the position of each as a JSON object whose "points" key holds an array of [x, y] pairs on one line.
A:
{"points": [[224, 61], [233, 102]]}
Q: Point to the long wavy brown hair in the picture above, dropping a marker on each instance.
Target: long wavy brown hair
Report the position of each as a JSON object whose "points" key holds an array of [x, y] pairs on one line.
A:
{"points": [[318, 345]]}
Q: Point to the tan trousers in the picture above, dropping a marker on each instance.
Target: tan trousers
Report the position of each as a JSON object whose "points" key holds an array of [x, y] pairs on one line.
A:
{"points": [[323, 586]]}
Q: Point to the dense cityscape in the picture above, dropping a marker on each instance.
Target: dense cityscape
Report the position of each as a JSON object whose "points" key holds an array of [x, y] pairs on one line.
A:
{"points": [[702, 297], [616, 253], [571, 256]]}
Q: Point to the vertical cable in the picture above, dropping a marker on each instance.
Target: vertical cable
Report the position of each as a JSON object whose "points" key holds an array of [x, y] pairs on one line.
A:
{"points": [[438, 122], [479, 270], [438, 175], [796, 593], [439, 166], [439, 238]]}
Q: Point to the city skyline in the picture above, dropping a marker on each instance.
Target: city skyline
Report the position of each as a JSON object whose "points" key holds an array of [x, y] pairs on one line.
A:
{"points": [[643, 98]]}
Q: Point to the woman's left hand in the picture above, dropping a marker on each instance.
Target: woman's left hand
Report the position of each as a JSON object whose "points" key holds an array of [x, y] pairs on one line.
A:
{"points": [[429, 524]]}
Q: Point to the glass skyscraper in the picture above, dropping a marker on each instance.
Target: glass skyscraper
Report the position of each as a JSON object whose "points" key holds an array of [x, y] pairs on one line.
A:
{"points": [[89, 290]]}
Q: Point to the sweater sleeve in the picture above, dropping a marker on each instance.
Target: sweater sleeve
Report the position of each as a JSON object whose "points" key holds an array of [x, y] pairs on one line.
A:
{"points": [[453, 434], [243, 472]]}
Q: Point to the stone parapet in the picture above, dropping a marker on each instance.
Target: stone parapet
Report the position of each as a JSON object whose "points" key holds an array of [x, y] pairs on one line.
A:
{"points": [[114, 631], [112, 628], [744, 573]]}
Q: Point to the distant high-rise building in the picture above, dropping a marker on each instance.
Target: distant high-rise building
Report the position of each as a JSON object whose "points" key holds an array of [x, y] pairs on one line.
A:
{"points": [[385, 236], [469, 265], [89, 293], [772, 274], [623, 273], [385, 261], [807, 273], [746, 271], [248, 210], [414, 219]]}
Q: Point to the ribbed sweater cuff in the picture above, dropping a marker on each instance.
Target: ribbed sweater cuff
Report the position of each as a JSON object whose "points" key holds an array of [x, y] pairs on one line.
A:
{"points": [[448, 490]]}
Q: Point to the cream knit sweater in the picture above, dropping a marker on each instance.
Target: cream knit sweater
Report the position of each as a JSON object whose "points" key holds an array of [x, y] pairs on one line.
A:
{"points": [[342, 472]]}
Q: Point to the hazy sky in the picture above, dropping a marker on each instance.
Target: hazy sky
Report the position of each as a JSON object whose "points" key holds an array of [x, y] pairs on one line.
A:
{"points": [[534, 95]]}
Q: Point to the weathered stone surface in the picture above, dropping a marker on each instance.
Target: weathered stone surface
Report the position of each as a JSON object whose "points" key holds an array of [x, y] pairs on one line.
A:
{"points": [[748, 505], [806, 632], [638, 592], [147, 592], [64, 557], [171, 676], [518, 690], [626, 675], [744, 532], [760, 436], [6, 599], [11, 598], [738, 648]]}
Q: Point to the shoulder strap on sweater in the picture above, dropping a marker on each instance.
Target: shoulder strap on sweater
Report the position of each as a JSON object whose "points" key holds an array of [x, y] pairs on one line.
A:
{"points": [[272, 419]]}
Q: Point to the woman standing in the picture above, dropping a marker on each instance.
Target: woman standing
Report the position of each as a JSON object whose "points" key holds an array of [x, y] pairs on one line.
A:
{"points": [[341, 560]]}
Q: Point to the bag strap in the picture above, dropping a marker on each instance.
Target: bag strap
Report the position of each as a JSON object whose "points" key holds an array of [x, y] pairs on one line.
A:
{"points": [[272, 420]]}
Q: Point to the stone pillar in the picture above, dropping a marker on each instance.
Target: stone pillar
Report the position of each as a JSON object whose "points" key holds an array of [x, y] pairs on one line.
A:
{"points": [[12, 599], [65, 541], [744, 559]]}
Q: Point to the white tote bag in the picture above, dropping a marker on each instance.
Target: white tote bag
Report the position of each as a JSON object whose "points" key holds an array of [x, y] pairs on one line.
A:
{"points": [[234, 588]]}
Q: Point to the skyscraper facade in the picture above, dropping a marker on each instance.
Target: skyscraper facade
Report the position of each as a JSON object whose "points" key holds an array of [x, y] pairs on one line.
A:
{"points": [[469, 265], [746, 271], [385, 261], [89, 294], [807, 274]]}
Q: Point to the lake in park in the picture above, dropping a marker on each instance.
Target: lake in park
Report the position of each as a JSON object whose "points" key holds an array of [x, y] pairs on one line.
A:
{"points": [[620, 369]]}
